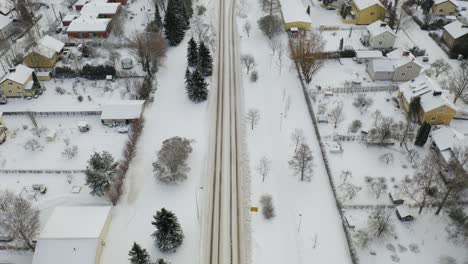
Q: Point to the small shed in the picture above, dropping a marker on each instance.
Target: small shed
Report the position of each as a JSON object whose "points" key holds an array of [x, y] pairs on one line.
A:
{"points": [[44, 76], [127, 63], [366, 55], [121, 112], [294, 15], [83, 126]]}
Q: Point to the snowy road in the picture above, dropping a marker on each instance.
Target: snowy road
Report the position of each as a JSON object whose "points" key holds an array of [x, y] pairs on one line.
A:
{"points": [[222, 229]]}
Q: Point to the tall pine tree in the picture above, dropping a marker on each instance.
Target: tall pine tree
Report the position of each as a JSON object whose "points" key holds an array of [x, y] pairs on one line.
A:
{"points": [[188, 81], [174, 22], [168, 235], [192, 53], [198, 92], [138, 255], [205, 61], [423, 134]]}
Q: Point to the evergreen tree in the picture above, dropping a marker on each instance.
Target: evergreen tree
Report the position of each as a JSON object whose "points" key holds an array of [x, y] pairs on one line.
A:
{"points": [[99, 172], [205, 61], [188, 81], [198, 92], [423, 134], [415, 108], [192, 53], [161, 261], [174, 23], [138, 255], [168, 235], [155, 25]]}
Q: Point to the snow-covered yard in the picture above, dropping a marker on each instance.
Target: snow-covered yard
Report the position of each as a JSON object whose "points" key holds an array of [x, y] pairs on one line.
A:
{"points": [[350, 38]]}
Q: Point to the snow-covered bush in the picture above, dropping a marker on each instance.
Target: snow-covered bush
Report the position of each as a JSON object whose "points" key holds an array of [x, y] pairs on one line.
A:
{"points": [[268, 210], [59, 90], [254, 76], [362, 101], [171, 166], [355, 126], [80, 98], [168, 235], [387, 158], [100, 171], [70, 152], [32, 145]]}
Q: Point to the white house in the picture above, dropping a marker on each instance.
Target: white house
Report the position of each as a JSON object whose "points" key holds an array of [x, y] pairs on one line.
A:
{"points": [[73, 235], [398, 66], [445, 140], [379, 36], [121, 112]]}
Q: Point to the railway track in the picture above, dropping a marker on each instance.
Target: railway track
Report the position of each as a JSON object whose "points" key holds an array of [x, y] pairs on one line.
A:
{"points": [[222, 241]]}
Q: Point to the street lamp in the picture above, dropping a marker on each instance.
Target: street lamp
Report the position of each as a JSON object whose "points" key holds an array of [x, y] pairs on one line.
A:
{"points": [[300, 221], [196, 201]]}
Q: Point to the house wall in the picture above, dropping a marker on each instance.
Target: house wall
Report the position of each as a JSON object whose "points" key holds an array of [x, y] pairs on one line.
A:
{"points": [[369, 15], [383, 41], [6, 31], [448, 39], [446, 8], [14, 89], [300, 25], [378, 76], [102, 239], [114, 121], [407, 72], [35, 60], [460, 45], [443, 116], [104, 34]]}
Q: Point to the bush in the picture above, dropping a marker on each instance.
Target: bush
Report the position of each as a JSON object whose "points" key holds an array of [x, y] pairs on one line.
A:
{"points": [[268, 210], [97, 72], [347, 54], [254, 76], [59, 90], [64, 72], [200, 10], [416, 51], [355, 126], [80, 98]]}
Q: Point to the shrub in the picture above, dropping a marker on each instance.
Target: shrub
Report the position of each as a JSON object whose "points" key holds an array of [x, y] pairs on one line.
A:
{"points": [[80, 98], [268, 210], [254, 76], [64, 72], [97, 72], [59, 90], [355, 126]]}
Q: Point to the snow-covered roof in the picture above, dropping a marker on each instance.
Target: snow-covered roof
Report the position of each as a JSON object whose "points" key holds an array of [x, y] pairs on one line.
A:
{"points": [[75, 222], [81, 2], [20, 75], [96, 8], [88, 24], [436, 2], [69, 17], [363, 4], [446, 138], [400, 53], [6, 7], [456, 29], [51, 43], [294, 11], [379, 27], [382, 65], [5, 21], [424, 88], [70, 251], [125, 109], [368, 54]]}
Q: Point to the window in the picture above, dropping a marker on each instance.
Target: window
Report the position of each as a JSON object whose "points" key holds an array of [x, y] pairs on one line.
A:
{"points": [[372, 13], [403, 73], [433, 118], [441, 10], [409, 66], [9, 91], [380, 42], [10, 83], [442, 110]]}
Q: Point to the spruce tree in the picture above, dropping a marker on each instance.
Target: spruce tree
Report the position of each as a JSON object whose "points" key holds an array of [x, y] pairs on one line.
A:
{"points": [[192, 53], [188, 82], [168, 235], [157, 17], [205, 61], [198, 92], [174, 23], [423, 134], [138, 255], [99, 172]]}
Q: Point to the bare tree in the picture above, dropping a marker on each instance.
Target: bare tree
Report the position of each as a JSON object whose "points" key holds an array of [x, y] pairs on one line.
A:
{"points": [[455, 184], [247, 27], [440, 66], [19, 219], [307, 51], [337, 114], [70, 152], [253, 117], [149, 49], [269, 5], [301, 162], [363, 102], [32, 145], [380, 224], [403, 22], [376, 185], [458, 82], [248, 61], [297, 138], [274, 44], [39, 131], [387, 158], [348, 191], [383, 130], [171, 166], [264, 167], [117, 24], [362, 239], [268, 210]]}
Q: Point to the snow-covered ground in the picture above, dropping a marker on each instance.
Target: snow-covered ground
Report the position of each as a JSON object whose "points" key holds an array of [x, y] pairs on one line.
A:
{"points": [[307, 227]]}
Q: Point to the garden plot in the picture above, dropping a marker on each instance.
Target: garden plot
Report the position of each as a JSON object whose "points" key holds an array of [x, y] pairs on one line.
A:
{"points": [[352, 110], [332, 39], [75, 94], [423, 240], [56, 133]]}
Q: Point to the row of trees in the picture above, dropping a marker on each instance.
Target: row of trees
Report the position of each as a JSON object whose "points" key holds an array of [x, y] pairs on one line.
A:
{"points": [[200, 65], [177, 20]]}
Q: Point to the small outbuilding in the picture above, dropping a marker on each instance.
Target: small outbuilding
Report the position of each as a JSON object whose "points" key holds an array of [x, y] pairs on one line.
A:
{"points": [[73, 235], [379, 36], [121, 112], [294, 15], [127, 63]]}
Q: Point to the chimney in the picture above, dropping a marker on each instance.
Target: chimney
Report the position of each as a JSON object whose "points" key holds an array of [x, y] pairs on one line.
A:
{"points": [[405, 53], [383, 24], [437, 93], [11, 70]]}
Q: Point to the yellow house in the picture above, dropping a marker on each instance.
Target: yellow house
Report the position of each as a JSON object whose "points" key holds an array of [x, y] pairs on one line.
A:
{"points": [[444, 8], [363, 12], [73, 233], [20, 82], [435, 107], [45, 54], [3, 129], [294, 15]]}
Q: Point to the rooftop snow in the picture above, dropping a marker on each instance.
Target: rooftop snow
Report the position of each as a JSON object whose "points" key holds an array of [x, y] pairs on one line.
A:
{"points": [[436, 2], [125, 109], [20, 75], [379, 27], [382, 65], [70, 251], [294, 11], [51, 43], [368, 54], [363, 4], [95, 8], [6, 7], [446, 137], [4, 21], [88, 24], [81, 2], [69, 17], [68, 222], [456, 29]]}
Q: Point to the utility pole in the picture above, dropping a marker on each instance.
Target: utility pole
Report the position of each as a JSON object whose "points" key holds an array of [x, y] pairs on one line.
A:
{"points": [[281, 120], [300, 222]]}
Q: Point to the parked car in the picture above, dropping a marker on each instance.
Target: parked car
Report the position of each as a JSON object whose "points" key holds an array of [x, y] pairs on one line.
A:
{"points": [[58, 30], [403, 214]]}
